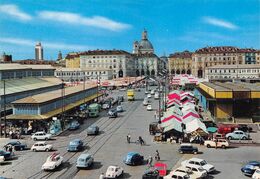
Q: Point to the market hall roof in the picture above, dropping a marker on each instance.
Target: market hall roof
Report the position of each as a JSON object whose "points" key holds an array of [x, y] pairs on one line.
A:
{"points": [[52, 95], [17, 66]]}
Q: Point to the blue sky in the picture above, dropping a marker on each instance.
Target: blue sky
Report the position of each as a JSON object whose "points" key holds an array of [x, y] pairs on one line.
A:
{"points": [[172, 25]]}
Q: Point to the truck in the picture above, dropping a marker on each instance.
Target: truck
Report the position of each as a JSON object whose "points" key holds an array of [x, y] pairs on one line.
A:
{"points": [[130, 95], [94, 110]]}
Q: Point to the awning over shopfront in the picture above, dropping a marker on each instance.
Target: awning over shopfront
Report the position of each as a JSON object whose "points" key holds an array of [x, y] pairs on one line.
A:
{"points": [[195, 125]]}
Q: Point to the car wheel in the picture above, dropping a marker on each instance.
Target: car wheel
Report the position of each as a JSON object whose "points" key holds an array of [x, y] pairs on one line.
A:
{"points": [[181, 152], [208, 145], [229, 138], [46, 138], [35, 139], [244, 138], [47, 149], [34, 150], [195, 152], [223, 146]]}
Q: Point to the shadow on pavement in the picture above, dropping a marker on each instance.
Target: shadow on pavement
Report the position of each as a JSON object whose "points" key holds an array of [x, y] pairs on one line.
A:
{"points": [[125, 175], [96, 165], [215, 172], [6, 163]]}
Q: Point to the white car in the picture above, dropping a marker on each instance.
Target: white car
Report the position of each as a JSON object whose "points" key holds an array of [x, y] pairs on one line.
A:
{"points": [[179, 175], [222, 143], [145, 102], [41, 136], [41, 146], [114, 171], [2, 159], [149, 95], [146, 92], [199, 162], [52, 162], [105, 106], [198, 171], [152, 92], [192, 175], [156, 95], [256, 175], [149, 107]]}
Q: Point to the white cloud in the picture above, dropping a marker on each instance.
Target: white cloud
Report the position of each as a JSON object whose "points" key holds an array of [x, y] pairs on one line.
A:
{"points": [[77, 19], [14, 11], [50, 45], [219, 22]]}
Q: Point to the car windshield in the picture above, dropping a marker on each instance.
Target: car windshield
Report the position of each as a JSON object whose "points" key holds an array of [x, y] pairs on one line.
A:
{"points": [[203, 163], [74, 143], [111, 169], [200, 169]]}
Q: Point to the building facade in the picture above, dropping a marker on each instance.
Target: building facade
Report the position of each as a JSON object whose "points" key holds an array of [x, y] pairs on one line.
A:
{"points": [[6, 58], [38, 51], [231, 72], [257, 57], [72, 60], [180, 63], [120, 62], [78, 75]]}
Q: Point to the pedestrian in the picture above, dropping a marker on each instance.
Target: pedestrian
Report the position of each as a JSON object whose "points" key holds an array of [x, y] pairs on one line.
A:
{"points": [[150, 161], [128, 137], [141, 140], [11, 149], [157, 155], [6, 148], [102, 176]]}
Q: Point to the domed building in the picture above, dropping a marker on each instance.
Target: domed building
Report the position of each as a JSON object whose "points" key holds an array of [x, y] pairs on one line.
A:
{"points": [[144, 46], [147, 63]]}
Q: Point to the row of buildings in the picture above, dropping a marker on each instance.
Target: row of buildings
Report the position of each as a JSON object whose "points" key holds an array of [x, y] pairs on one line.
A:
{"points": [[217, 63]]}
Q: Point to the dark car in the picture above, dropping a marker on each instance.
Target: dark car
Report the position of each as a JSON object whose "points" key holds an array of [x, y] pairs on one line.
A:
{"points": [[244, 128], [93, 130], [74, 125], [7, 155], [151, 173], [250, 168], [120, 98], [133, 158], [112, 113], [187, 148], [17, 145]]}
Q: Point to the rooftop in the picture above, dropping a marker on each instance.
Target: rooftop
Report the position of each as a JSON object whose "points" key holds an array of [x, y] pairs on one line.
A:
{"points": [[17, 66], [217, 49], [52, 95], [184, 54], [25, 84], [249, 66], [233, 86]]}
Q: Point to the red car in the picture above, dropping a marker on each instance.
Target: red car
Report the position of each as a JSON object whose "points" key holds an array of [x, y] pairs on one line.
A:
{"points": [[226, 128], [162, 168]]}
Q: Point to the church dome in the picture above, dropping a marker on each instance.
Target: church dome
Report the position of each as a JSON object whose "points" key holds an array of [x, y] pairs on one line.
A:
{"points": [[145, 44]]}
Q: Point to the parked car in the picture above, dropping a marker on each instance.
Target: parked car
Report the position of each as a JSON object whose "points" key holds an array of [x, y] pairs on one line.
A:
{"points": [[149, 95], [52, 162], [112, 113], [220, 143], [197, 170], [237, 135], [256, 175], [75, 145], [41, 146], [149, 107], [154, 128], [120, 98], [2, 160], [114, 171], [250, 168], [119, 108], [41, 136], [146, 92], [133, 158], [226, 128], [74, 125], [6, 155], [244, 128], [189, 172], [177, 175], [17, 145], [199, 162], [84, 161], [152, 92], [161, 167], [151, 173], [187, 148], [93, 130]]}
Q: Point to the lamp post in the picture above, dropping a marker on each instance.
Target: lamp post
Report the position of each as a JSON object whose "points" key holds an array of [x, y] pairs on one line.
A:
{"points": [[62, 104]]}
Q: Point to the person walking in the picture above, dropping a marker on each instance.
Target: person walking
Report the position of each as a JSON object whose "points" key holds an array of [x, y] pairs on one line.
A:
{"points": [[157, 155], [10, 148], [150, 161], [102, 176], [141, 140], [128, 137]]}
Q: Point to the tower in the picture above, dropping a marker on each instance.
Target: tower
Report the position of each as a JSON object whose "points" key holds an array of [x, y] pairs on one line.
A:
{"points": [[144, 35], [38, 51], [59, 56], [135, 47]]}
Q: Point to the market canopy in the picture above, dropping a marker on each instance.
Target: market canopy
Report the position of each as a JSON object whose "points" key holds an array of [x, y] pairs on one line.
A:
{"points": [[195, 125]]}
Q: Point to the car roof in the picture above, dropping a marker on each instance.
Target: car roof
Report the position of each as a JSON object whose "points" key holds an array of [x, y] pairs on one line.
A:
{"points": [[196, 159], [132, 153], [160, 164], [75, 140], [85, 155], [179, 174], [186, 144], [238, 131], [253, 162], [193, 165]]}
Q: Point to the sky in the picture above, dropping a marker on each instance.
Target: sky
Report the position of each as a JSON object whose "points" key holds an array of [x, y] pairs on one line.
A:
{"points": [[80, 25]]}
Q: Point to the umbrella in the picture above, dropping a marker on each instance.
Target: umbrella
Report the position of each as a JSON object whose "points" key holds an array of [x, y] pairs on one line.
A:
{"points": [[212, 129]]}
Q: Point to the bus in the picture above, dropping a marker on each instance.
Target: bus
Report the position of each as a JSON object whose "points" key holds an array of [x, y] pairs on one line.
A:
{"points": [[93, 110]]}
